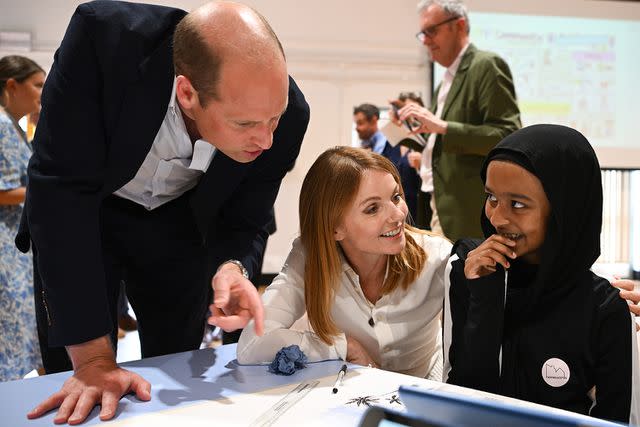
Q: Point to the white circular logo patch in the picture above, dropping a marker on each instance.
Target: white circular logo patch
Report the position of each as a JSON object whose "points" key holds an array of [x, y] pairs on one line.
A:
{"points": [[555, 372]]}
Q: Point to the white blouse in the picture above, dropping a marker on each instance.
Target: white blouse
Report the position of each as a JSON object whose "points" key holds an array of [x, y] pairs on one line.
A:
{"points": [[406, 332]]}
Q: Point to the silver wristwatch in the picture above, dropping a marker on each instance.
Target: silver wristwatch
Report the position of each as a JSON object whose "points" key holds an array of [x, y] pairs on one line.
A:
{"points": [[243, 270]]}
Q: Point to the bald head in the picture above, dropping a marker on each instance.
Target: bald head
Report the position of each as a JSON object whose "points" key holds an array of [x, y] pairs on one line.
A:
{"points": [[219, 33]]}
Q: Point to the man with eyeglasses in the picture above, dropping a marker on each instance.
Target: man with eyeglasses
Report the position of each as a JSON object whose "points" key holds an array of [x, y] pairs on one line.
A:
{"points": [[472, 110]]}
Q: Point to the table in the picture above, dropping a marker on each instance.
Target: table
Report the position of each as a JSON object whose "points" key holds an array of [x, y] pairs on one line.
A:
{"points": [[209, 388], [199, 387]]}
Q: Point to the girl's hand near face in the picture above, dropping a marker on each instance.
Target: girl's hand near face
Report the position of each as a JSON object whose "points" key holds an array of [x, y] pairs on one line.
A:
{"points": [[482, 260], [357, 354]]}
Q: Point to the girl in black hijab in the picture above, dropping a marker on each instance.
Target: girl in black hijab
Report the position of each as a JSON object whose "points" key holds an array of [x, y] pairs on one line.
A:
{"points": [[524, 315]]}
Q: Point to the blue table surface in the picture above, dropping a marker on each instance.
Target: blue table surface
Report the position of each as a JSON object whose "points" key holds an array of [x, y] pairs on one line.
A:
{"points": [[176, 380]]}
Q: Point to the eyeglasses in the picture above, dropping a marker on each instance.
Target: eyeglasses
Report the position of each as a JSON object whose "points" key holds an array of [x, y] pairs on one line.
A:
{"points": [[433, 30]]}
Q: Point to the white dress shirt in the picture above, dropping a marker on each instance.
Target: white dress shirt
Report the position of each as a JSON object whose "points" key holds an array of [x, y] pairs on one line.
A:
{"points": [[405, 337], [426, 171], [173, 166]]}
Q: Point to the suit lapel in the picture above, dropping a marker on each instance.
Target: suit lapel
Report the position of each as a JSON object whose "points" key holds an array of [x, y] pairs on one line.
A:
{"points": [[434, 100], [144, 106], [458, 79]]}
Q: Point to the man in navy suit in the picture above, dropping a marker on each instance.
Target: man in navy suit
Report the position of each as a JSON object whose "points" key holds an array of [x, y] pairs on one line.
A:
{"points": [[161, 146]]}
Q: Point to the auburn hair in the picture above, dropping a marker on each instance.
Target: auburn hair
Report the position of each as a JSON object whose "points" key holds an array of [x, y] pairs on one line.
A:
{"points": [[327, 191]]}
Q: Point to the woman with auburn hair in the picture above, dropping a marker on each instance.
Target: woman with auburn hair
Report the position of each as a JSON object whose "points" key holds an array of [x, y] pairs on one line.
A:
{"points": [[371, 285]]}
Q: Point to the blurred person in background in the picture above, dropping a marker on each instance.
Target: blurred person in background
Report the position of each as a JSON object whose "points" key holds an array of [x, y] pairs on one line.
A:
{"points": [[411, 178], [472, 110], [21, 82]]}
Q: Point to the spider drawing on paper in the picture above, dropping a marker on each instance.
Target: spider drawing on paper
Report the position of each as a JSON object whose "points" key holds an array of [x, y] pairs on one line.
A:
{"points": [[391, 397], [395, 399], [364, 400]]}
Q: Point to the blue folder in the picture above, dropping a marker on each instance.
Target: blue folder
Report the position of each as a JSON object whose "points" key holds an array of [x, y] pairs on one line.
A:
{"points": [[449, 409]]}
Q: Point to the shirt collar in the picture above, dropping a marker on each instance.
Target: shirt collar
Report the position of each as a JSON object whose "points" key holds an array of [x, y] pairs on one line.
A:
{"points": [[347, 269], [377, 136], [377, 142], [453, 68], [202, 152], [172, 100]]}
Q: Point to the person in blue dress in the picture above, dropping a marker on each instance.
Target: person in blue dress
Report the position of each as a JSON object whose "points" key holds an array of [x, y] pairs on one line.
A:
{"points": [[21, 82]]}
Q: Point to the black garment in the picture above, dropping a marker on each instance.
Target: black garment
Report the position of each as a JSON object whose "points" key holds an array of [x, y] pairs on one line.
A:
{"points": [[408, 177], [418, 200], [558, 309], [425, 213], [171, 313], [411, 186]]}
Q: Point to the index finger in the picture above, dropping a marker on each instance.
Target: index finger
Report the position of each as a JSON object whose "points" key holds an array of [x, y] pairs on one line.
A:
{"points": [[50, 403], [245, 298], [406, 112], [490, 246], [500, 239]]}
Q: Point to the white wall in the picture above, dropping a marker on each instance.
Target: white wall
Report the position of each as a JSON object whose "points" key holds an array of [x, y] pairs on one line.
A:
{"points": [[342, 53]]}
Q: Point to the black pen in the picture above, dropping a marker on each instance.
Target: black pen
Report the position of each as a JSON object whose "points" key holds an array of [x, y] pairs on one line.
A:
{"points": [[420, 138], [341, 374]]}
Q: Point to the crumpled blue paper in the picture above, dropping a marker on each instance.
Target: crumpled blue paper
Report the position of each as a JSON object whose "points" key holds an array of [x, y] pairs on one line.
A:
{"points": [[288, 360]]}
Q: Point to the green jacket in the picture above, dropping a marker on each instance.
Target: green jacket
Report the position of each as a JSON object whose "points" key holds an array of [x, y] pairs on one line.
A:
{"points": [[480, 110]]}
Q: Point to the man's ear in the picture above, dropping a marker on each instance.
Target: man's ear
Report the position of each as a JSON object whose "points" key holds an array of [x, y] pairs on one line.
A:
{"points": [[461, 24], [187, 95]]}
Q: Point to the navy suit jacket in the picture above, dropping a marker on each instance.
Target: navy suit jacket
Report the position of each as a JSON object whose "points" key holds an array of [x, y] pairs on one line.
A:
{"points": [[410, 180], [102, 105]]}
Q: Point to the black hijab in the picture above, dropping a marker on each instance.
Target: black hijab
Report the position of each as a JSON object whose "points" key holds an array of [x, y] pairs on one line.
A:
{"points": [[566, 165]]}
